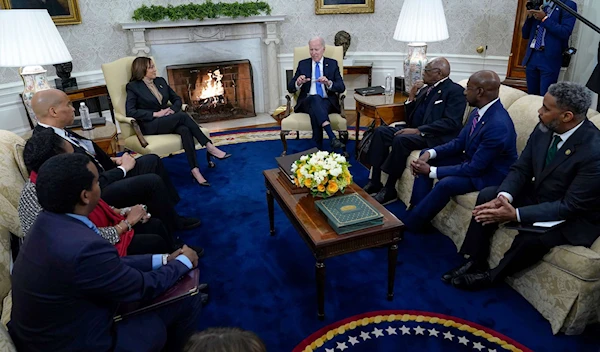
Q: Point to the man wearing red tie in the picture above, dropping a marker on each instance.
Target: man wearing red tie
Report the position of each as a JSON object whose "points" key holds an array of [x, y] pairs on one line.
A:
{"points": [[319, 81]]}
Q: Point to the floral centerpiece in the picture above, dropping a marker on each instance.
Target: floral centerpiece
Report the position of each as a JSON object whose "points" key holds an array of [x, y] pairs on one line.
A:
{"points": [[323, 173]]}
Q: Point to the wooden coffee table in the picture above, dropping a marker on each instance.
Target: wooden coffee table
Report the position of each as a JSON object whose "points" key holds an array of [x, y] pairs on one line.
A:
{"points": [[322, 240]]}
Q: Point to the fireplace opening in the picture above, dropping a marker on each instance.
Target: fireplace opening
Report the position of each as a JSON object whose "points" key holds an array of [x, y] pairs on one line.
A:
{"points": [[214, 91]]}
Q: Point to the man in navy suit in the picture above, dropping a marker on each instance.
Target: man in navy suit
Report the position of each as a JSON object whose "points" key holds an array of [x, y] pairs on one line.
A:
{"points": [[434, 110], [548, 30], [478, 158], [68, 281], [557, 177], [320, 82]]}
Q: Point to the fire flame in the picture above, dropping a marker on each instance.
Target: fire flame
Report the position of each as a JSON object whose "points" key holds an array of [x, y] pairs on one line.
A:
{"points": [[210, 87]]}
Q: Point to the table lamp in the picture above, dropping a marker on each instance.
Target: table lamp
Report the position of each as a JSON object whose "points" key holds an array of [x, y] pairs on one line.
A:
{"points": [[29, 39], [420, 21]]}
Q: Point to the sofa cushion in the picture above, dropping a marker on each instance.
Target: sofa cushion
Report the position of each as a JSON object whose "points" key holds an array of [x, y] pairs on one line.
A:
{"points": [[467, 200], [525, 117], [581, 262], [6, 343]]}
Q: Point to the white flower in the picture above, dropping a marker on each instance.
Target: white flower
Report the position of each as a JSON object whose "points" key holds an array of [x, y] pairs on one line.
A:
{"points": [[335, 172], [294, 168], [304, 157]]}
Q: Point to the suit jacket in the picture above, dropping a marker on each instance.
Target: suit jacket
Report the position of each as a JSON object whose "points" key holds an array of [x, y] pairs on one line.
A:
{"points": [[331, 70], [106, 167], [68, 281], [559, 27], [443, 115], [488, 153], [567, 189], [141, 103]]}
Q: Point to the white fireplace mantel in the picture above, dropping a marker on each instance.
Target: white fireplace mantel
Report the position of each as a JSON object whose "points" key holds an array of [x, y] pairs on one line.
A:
{"points": [[146, 34]]}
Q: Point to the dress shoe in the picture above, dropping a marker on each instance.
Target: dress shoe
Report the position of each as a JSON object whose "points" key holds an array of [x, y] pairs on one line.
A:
{"points": [[204, 298], [337, 144], [203, 184], [184, 223], [227, 155], [203, 287], [386, 196], [372, 187], [473, 282], [469, 267]]}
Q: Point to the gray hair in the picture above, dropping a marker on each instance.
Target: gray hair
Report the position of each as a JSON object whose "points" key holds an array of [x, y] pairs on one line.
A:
{"points": [[321, 40], [573, 97]]}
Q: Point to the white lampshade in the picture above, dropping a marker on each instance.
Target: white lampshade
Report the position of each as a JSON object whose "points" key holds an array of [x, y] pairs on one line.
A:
{"points": [[421, 21], [29, 37]]}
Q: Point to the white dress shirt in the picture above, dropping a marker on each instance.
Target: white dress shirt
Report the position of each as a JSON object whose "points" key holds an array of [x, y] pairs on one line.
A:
{"points": [[432, 152], [313, 80], [564, 136], [88, 145]]}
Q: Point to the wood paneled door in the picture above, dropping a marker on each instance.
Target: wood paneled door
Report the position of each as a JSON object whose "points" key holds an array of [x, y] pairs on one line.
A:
{"points": [[515, 75]]}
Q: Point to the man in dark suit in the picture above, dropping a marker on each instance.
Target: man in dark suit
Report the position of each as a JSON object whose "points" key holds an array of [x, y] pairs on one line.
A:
{"points": [[557, 177], [478, 158], [68, 281], [320, 82], [548, 30], [124, 180], [434, 116]]}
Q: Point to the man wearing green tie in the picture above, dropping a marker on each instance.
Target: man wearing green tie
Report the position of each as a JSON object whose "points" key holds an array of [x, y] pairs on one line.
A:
{"points": [[556, 178]]}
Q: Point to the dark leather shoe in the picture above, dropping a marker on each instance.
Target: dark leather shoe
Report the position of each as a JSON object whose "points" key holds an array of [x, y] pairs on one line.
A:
{"points": [[372, 187], [184, 223], [204, 297], [473, 282], [386, 196], [336, 144], [467, 268], [203, 287]]}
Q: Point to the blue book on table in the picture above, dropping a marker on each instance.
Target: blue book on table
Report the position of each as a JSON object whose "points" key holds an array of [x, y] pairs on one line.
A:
{"points": [[349, 213]]}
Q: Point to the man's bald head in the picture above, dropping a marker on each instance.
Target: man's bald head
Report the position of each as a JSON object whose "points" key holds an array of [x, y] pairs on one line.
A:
{"points": [[441, 64], [482, 87], [53, 107]]}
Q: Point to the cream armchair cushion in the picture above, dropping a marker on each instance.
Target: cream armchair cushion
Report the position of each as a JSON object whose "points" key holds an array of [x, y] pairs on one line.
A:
{"points": [[117, 75], [301, 121]]}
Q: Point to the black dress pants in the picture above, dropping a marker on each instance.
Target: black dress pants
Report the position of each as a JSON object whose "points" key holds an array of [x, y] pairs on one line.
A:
{"points": [[151, 238], [318, 108], [147, 183], [394, 162], [527, 248], [182, 124]]}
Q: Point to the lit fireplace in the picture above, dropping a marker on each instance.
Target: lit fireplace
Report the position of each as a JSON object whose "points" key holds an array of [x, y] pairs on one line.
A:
{"points": [[215, 91]]}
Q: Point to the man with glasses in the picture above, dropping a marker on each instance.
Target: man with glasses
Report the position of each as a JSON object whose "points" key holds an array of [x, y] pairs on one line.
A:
{"points": [[434, 111]]}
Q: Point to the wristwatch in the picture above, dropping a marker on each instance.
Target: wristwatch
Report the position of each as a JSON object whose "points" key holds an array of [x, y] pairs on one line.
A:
{"points": [[165, 258]]}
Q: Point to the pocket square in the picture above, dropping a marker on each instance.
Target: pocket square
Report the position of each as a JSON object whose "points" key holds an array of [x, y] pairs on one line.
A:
{"points": [[437, 102]]}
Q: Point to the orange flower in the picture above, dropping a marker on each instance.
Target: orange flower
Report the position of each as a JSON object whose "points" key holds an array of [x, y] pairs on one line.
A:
{"points": [[321, 188], [307, 182], [332, 187], [297, 181]]}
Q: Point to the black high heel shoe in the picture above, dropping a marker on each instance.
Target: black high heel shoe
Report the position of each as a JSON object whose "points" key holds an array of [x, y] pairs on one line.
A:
{"points": [[203, 184], [227, 155]]}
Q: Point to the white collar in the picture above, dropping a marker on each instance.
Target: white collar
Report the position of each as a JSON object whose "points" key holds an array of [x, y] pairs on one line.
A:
{"points": [[59, 131], [485, 108], [440, 81], [320, 61], [565, 135]]}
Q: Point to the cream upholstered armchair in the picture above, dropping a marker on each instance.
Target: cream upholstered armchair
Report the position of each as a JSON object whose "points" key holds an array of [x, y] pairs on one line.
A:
{"points": [[293, 121], [117, 75]]}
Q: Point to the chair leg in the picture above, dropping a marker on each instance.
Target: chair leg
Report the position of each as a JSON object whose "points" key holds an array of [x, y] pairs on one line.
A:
{"points": [[211, 164], [344, 138], [282, 134], [297, 135]]}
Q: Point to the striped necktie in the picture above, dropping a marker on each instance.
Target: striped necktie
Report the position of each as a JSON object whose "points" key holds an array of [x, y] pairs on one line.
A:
{"points": [[475, 121], [76, 140]]}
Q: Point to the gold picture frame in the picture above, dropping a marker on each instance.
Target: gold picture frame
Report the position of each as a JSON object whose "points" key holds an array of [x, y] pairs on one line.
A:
{"points": [[330, 7], [63, 12]]}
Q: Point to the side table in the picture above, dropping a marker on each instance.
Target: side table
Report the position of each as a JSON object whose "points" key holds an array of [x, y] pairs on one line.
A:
{"points": [[105, 136], [379, 107]]}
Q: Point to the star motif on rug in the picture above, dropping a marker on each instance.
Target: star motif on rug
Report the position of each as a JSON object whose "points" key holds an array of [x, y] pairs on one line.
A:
{"points": [[353, 340], [377, 332], [405, 330], [477, 346], [448, 336], [391, 331], [419, 330], [341, 346], [433, 332], [463, 340], [365, 336]]}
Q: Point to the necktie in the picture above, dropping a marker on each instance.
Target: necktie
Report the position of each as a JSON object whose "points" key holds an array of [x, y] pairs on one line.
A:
{"points": [[552, 150], [318, 84], [428, 90], [540, 32], [79, 144], [475, 121]]}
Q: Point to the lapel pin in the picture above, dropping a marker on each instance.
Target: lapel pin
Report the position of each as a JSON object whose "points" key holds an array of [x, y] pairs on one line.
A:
{"points": [[482, 123], [568, 152], [440, 91]]}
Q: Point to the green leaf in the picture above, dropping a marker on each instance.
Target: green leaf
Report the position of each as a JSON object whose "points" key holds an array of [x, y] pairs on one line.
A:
{"points": [[201, 11]]}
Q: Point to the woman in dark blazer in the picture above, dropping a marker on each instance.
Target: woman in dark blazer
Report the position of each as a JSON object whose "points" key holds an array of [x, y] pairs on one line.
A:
{"points": [[147, 101]]}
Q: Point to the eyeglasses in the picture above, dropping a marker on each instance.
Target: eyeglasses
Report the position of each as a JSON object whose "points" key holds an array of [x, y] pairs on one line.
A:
{"points": [[426, 69]]}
